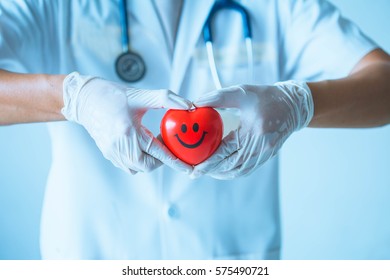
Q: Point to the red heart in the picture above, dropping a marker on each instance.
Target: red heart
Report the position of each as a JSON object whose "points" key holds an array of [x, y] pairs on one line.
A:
{"points": [[192, 136]]}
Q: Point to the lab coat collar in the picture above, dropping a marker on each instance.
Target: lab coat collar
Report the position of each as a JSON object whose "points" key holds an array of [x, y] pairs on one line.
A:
{"points": [[193, 17]]}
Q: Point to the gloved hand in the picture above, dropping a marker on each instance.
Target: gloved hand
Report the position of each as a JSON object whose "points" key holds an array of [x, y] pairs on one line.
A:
{"points": [[269, 114], [112, 115]]}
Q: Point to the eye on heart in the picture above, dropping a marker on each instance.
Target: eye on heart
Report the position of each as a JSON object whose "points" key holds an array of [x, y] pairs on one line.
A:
{"points": [[195, 128], [193, 135]]}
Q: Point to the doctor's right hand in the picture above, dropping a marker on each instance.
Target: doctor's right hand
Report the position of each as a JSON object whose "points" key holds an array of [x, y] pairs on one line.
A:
{"points": [[112, 115]]}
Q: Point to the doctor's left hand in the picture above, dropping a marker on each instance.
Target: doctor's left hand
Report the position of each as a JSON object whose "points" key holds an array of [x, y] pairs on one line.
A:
{"points": [[269, 114], [112, 115]]}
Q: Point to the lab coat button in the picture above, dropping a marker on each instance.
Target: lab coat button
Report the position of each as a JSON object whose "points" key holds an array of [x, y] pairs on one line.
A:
{"points": [[173, 212]]}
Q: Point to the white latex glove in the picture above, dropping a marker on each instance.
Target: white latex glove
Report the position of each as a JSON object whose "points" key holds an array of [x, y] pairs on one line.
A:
{"points": [[269, 114], [112, 114]]}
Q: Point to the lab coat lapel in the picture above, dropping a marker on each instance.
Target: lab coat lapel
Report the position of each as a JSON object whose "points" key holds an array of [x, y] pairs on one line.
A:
{"points": [[146, 14], [192, 19]]}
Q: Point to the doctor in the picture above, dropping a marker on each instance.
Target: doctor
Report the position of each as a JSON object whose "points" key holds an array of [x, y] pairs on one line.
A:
{"points": [[114, 191]]}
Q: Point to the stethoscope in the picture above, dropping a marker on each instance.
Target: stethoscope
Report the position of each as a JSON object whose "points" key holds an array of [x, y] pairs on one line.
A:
{"points": [[208, 36], [130, 66]]}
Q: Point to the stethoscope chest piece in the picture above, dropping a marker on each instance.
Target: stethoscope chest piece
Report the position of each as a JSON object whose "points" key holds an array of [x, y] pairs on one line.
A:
{"points": [[130, 67]]}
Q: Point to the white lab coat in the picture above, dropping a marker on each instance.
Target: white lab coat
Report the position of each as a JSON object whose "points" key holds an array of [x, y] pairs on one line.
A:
{"points": [[93, 210]]}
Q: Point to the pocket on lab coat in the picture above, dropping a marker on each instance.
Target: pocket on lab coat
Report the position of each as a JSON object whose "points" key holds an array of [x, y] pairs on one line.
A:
{"points": [[232, 64], [95, 44]]}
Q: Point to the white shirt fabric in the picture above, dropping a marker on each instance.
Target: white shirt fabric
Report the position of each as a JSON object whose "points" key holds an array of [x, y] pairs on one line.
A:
{"points": [[93, 210]]}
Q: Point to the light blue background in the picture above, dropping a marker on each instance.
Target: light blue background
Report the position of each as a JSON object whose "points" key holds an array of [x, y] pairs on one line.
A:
{"points": [[335, 184]]}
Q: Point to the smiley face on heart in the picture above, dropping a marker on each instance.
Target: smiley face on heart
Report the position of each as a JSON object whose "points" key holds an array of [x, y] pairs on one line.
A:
{"points": [[194, 135]]}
